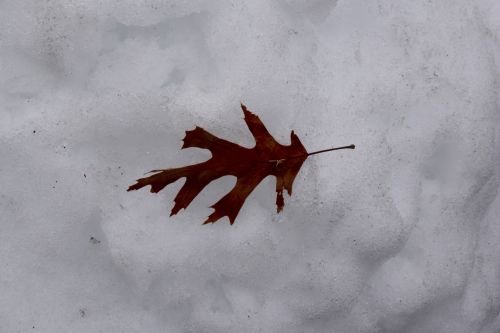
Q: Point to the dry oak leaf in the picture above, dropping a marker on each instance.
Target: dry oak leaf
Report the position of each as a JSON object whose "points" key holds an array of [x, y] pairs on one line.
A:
{"points": [[249, 165]]}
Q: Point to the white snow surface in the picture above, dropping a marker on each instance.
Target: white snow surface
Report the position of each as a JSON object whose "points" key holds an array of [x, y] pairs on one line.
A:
{"points": [[400, 235]]}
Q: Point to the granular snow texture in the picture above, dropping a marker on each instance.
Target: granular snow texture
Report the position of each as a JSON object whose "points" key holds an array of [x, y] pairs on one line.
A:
{"points": [[400, 235]]}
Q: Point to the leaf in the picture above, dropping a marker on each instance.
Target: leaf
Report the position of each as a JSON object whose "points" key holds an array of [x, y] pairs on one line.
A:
{"points": [[249, 165]]}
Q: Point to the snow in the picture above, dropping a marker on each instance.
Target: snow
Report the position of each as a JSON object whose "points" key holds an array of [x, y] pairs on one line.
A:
{"points": [[399, 235]]}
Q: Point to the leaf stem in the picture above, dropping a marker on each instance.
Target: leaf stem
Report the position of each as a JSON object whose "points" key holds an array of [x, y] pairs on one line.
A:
{"points": [[311, 153], [330, 149]]}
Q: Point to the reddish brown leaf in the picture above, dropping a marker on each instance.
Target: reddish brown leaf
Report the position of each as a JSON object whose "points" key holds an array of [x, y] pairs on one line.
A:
{"points": [[249, 165]]}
